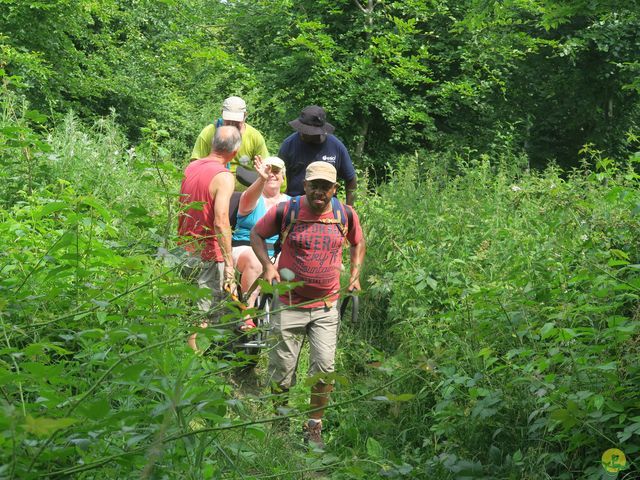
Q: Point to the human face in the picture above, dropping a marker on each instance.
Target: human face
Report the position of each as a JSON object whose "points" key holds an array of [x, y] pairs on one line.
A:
{"points": [[319, 193], [312, 138], [231, 123], [276, 176]]}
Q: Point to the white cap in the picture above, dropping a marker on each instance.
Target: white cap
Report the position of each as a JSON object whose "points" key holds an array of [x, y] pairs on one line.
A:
{"points": [[275, 161], [234, 109]]}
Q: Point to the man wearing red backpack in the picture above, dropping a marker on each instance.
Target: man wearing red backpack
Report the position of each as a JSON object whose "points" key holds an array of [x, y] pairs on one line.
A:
{"points": [[313, 230]]}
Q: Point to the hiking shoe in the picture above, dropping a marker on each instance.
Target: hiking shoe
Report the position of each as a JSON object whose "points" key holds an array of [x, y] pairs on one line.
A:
{"points": [[312, 433]]}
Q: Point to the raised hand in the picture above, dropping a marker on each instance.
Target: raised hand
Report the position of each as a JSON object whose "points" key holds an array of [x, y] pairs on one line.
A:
{"points": [[262, 169]]}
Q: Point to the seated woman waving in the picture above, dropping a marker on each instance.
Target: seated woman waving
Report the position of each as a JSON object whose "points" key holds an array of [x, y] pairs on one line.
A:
{"points": [[263, 194]]}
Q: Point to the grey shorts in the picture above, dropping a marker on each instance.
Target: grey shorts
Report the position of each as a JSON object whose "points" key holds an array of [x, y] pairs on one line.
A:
{"points": [[207, 275], [320, 325]]}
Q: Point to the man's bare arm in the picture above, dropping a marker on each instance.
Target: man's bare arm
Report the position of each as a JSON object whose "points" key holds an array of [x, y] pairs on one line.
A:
{"points": [[350, 188], [259, 246], [357, 253], [221, 189]]}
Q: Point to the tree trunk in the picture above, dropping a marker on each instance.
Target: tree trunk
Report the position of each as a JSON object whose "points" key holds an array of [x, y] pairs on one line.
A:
{"points": [[362, 137]]}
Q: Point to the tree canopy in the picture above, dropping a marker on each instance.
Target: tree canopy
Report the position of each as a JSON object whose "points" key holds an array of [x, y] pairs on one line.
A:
{"points": [[542, 78]]}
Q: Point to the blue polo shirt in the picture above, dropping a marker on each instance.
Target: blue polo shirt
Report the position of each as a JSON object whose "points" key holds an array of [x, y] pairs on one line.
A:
{"points": [[298, 154]]}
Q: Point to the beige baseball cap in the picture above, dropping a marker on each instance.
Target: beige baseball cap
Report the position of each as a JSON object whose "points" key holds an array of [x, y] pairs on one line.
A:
{"points": [[234, 109], [321, 171], [275, 161]]}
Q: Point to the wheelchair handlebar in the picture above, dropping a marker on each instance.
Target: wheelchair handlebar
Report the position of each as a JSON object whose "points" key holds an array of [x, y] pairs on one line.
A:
{"points": [[246, 176], [354, 307], [355, 300]]}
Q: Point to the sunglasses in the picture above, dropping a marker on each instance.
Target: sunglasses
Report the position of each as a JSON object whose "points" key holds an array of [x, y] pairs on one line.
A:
{"points": [[275, 170]]}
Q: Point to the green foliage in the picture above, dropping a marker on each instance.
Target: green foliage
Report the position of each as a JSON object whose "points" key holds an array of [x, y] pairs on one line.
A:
{"points": [[523, 77], [514, 300], [22, 148], [369, 76], [407, 76], [94, 368], [143, 60], [499, 330]]}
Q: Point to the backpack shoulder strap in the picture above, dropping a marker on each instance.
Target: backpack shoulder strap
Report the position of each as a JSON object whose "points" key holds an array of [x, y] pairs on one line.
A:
{"points": [[342, 214], [280, 213], [286, 216], [234, 203], [290, 218]]}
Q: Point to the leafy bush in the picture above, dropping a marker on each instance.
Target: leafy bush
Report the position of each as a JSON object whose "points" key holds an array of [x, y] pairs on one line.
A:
{"points": [[94, 368], [513, 299]]}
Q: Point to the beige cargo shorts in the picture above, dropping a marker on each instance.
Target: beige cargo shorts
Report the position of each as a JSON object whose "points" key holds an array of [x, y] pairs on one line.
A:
{"points": [[320, 325]]}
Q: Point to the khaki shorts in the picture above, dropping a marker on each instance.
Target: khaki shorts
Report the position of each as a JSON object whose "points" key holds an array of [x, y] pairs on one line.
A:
{"points": [[290, 326], [208, 275]]}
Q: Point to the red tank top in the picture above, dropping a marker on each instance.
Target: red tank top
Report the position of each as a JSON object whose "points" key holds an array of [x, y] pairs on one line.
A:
{"points": [[198, 223]]}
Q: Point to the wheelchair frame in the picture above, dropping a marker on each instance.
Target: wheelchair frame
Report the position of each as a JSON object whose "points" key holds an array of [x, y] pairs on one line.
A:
{"points": [[268, 302]]}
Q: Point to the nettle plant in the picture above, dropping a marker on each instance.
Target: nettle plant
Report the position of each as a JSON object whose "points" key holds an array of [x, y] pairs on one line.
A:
{"points": [[22, 147]]}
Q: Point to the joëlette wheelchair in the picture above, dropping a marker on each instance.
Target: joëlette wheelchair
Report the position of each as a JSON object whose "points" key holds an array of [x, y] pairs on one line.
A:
{"points": [[251, 343]]}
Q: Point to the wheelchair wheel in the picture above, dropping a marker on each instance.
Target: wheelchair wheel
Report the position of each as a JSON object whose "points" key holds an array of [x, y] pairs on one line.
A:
{"points": [[251, 344], [355, 307]]}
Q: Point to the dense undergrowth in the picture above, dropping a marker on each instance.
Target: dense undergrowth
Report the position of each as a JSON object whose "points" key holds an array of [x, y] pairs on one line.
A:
{"points": [[514, 297], [95, 374], [94, 369], [498, 335]]}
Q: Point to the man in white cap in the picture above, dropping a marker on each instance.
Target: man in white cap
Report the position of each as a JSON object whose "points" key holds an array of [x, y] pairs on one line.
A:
{"points": [[312, 251], [312, 142], [234, 113]]}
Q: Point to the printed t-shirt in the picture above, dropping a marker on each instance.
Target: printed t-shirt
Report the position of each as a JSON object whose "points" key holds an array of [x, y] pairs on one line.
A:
{"points": [[198, 223], [313, 252], [298, 154]]}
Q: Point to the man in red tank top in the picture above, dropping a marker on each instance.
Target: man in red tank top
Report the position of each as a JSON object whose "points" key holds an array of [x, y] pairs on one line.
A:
{"points": [[203, 223], [313, 252]]}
